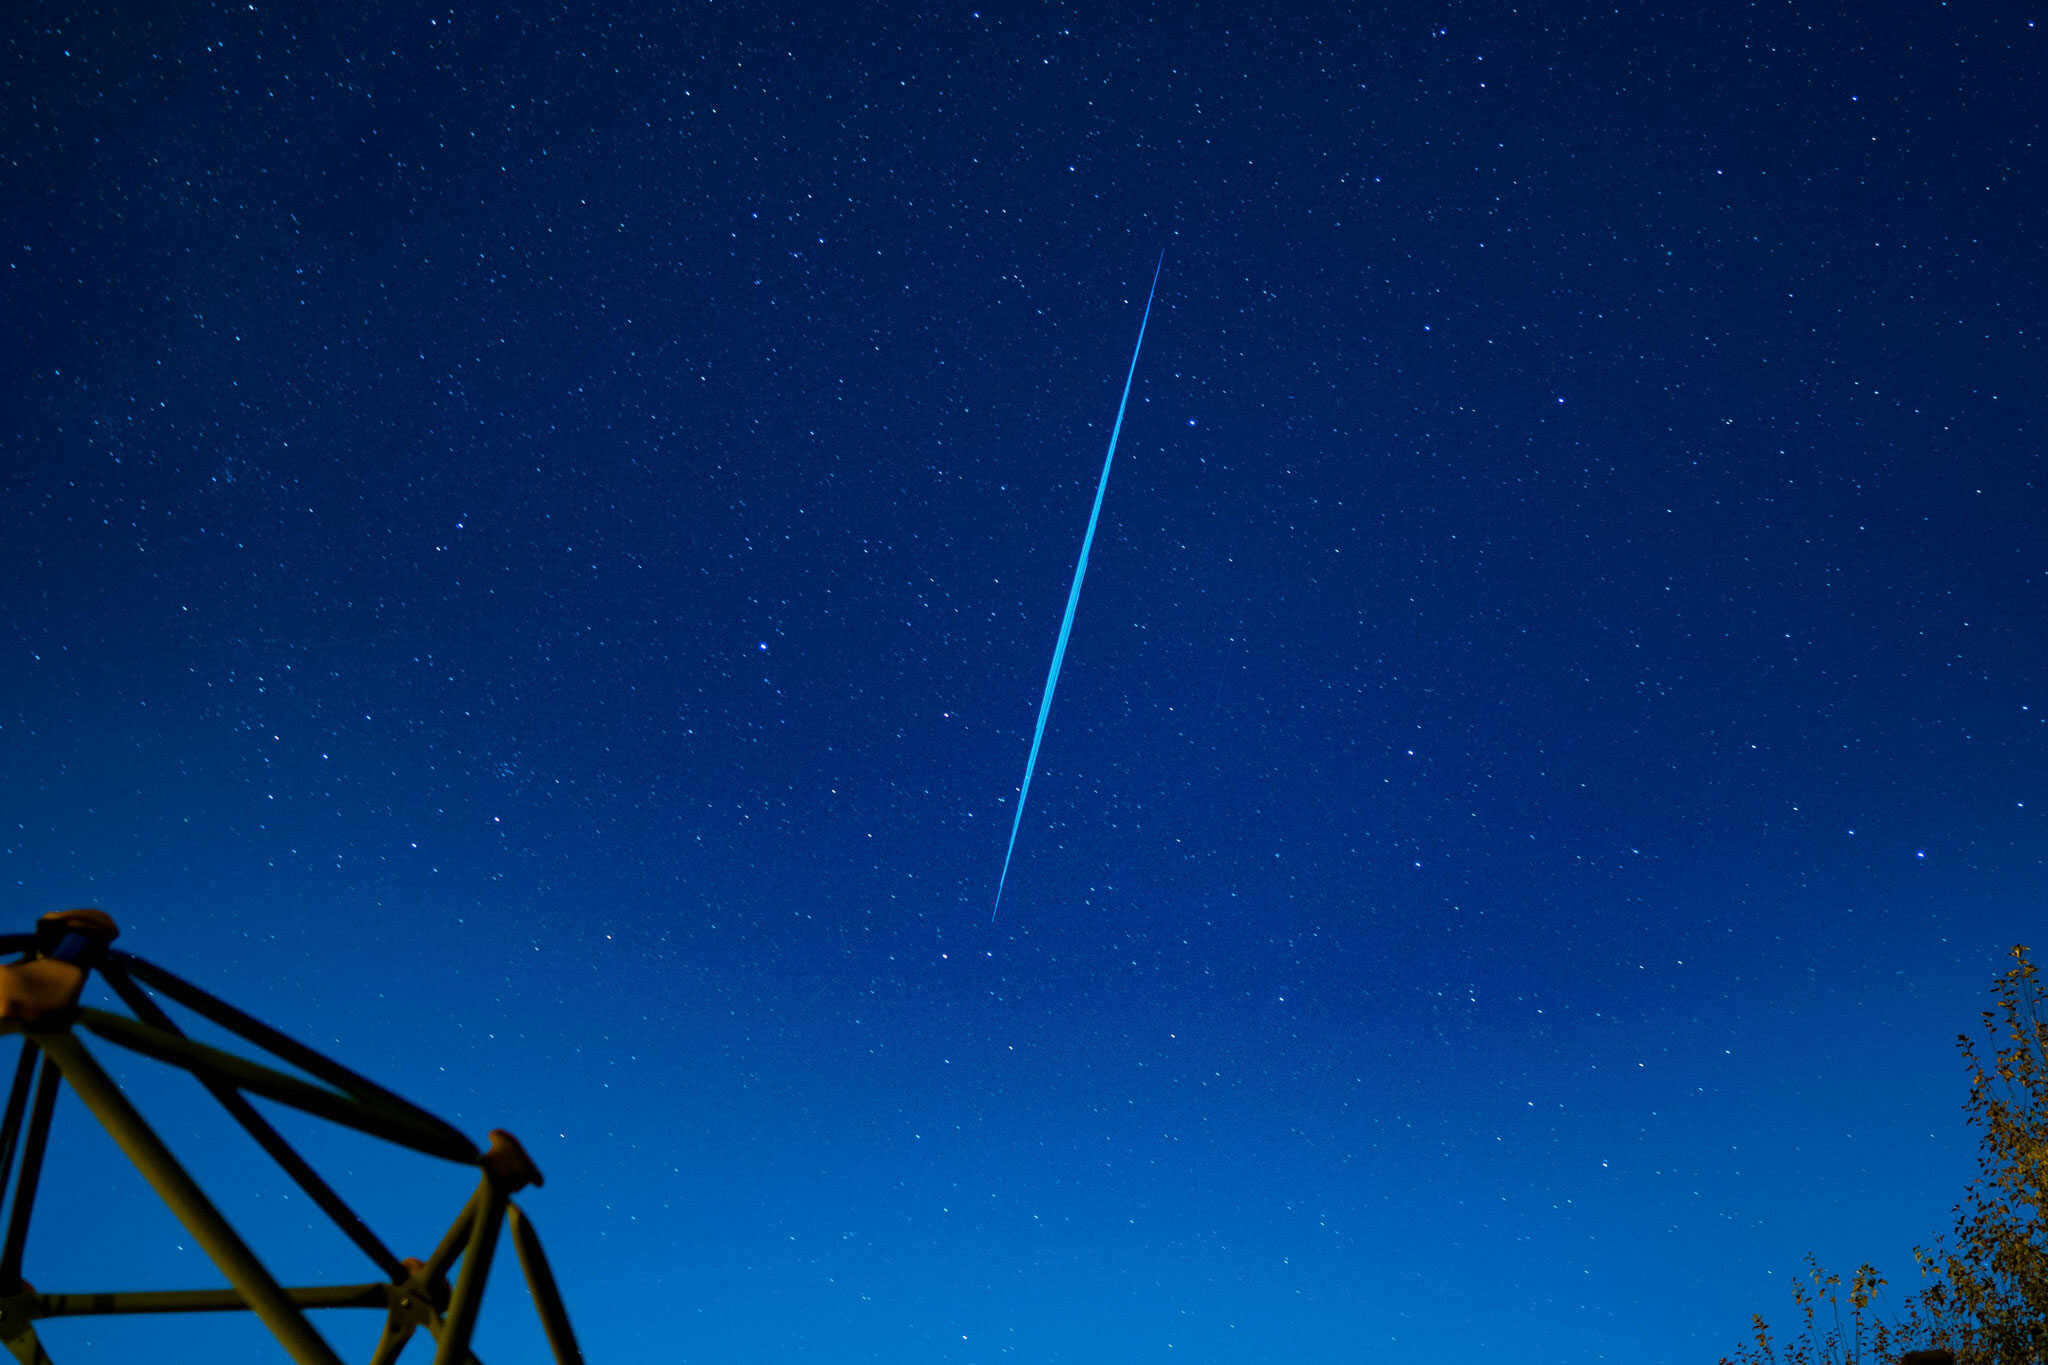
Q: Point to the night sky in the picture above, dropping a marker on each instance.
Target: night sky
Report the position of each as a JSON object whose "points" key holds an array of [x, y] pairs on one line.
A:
{"points": [[532, 543]]}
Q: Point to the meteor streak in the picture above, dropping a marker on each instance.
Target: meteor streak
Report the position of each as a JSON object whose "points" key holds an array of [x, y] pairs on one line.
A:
{"points": [[1059, 651]]}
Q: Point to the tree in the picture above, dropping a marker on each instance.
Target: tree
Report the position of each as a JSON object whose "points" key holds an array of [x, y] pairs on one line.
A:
{"points": [[1824, 1336], [1984, 1293], [1988, 1290]]}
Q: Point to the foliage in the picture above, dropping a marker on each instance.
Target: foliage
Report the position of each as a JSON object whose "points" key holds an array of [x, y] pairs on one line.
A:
{"points": [[1823, 1336], [1985, 1293]]}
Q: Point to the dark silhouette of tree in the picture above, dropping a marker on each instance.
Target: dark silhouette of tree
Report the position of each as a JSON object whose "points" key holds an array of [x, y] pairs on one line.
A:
{"points": [[1824, 1334], [1987, 1290], [1984, 1291]]}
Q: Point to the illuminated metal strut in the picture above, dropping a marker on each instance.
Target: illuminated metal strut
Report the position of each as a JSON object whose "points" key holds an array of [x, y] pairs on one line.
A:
{"points": [[39, 995]]}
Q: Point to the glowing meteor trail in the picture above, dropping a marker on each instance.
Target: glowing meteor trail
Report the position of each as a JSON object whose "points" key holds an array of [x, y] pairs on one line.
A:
{"points": [[1059, 651]]}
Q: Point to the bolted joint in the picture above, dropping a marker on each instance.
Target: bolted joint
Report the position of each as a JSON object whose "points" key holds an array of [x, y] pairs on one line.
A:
{"points": [[508, 1165], [69, 943], [79, 937]]}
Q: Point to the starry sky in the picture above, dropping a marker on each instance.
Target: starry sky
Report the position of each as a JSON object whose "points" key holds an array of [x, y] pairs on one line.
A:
{"points": [[533, 539]]}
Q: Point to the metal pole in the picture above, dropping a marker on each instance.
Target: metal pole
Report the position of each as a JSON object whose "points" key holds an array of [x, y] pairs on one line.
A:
{"points": [[402, 1126], [10, 1126], [184, 1197], [489, 1214], [258, 1127], [31, 1173], [17, 1105], [376, 1295], [540, 1281]]}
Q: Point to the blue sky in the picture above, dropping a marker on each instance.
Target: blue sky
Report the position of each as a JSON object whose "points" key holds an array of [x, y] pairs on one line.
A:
{"points": [[533, 546]]}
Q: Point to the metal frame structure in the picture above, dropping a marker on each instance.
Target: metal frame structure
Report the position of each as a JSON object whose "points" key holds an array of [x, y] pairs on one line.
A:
{"points": [[39, 996]]}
